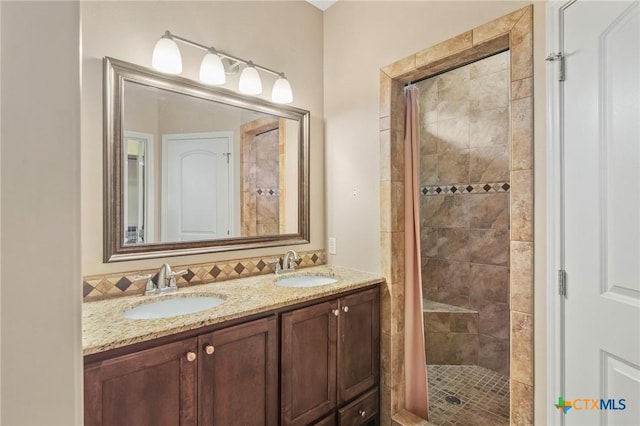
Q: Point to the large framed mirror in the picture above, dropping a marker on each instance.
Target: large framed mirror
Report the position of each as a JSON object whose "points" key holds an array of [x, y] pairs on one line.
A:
{"points": [[194, 169]]}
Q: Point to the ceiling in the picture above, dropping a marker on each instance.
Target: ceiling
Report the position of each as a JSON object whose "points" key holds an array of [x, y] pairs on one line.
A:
{"points": [[322, 4]]}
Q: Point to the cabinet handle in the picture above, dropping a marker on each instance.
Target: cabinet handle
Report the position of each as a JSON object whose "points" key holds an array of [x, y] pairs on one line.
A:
{"points": [[209, 349], [345, 309], [191, 356], [362, 413], [336, 312]]}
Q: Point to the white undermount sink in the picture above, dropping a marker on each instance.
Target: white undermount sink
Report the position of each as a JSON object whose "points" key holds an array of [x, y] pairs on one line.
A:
{"points": [[305, 281], [173, 307]]}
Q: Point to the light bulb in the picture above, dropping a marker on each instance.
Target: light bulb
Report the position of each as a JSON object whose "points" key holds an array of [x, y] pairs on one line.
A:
{"points": [[212, 70], [281, 92], [166, 56], [250, 83]]}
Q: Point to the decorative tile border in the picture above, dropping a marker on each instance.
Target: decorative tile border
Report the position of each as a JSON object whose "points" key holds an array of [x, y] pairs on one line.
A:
{"points": [[461, 188], [267, 191], [99, 287]]}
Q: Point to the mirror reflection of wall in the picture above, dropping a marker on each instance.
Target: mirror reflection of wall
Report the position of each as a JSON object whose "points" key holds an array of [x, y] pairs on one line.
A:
{"points": [[205, 189]]}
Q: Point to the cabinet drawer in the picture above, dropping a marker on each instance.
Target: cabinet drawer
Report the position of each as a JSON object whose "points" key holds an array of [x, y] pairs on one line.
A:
{"points": [[361, 410]]}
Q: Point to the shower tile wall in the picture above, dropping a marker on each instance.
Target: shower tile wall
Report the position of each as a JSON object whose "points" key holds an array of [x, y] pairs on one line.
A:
{"points": [[464, 178], [259, 184]]}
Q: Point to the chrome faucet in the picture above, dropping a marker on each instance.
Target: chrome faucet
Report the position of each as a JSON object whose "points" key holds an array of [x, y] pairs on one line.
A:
{"points": [[163, 276], [288, 262], [166, 281]]}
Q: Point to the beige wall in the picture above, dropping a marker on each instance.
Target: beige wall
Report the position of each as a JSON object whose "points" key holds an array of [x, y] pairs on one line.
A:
{"points": [[360, 37], [40, 197], [285, 36]]}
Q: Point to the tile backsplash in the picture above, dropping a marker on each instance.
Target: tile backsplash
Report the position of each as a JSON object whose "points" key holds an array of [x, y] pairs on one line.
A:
{"points": [[99, 287]]}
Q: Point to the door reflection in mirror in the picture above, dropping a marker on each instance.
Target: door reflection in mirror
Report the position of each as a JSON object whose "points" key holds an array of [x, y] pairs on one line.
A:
{"points": [[196, 186], [138, 187]]}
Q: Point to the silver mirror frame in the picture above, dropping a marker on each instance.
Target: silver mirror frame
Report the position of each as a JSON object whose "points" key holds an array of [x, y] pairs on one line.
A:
{"points": [[116, 72]]}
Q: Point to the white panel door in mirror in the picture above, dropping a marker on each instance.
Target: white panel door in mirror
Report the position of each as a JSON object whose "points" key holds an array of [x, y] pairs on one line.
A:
{"points": [[196, 198]]}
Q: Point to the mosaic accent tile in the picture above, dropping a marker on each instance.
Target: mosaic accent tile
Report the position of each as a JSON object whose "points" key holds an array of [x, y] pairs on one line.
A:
{"points": [[99, 287], [189, 275], [268, 192], [476, 188], [261, 265], [86, 289]]}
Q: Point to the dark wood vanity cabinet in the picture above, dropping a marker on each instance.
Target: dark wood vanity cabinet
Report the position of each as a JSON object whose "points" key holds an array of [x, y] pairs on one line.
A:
{"points": [[225, 377], [358, 344], [325, 371], [330, 355], [308, 363], [156, 386], [238, 380]]}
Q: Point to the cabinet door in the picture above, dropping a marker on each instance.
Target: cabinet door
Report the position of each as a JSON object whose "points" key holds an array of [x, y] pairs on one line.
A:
{"points": [[308, 363], [151, 387], [359, 343], [238, 371]]}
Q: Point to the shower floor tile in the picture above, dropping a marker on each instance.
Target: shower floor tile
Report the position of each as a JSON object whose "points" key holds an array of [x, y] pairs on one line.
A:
{"points": [[483, 395]]}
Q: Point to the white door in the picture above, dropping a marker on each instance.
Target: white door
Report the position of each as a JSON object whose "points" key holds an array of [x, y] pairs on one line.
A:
{"points": [[196, 197], [602, 213]]}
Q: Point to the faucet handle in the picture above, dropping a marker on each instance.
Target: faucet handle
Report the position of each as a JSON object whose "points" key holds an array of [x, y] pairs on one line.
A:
{"points": [[150, 287], [277, 267], [172, 278]]}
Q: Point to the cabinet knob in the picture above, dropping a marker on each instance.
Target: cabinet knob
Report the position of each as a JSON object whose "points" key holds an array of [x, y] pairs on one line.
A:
{"points": [[191, 356], [209, 349], [336, 312], [345, 309], [362, 413]]}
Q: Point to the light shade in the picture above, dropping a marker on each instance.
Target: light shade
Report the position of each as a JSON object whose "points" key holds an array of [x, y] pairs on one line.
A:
{"points": [[212, 70], [281, 92], [250, 83], [166, 56]]}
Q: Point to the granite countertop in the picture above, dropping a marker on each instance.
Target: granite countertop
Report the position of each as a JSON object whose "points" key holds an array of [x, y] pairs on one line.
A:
{"points": [[104, 328]]}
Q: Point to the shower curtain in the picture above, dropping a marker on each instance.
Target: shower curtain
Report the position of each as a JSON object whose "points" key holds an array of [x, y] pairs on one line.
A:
{"points": [[416, 395]]}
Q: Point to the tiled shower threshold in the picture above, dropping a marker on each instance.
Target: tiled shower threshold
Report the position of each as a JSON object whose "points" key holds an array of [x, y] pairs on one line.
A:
{"points": [[483, 396]]}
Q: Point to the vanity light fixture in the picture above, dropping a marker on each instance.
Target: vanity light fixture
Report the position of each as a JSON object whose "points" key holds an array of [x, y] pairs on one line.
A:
{"points": [[166, 55], [281, 92], [250, 83], [212, 69], [166, 58]]}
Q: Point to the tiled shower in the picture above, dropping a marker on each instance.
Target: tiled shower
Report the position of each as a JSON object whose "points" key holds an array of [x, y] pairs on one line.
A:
{"points": [[260, 171], [464, 220]]}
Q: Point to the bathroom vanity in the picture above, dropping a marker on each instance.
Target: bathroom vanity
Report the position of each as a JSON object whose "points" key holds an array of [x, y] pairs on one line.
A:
{"points": [[297, 348], [267, 355]]}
